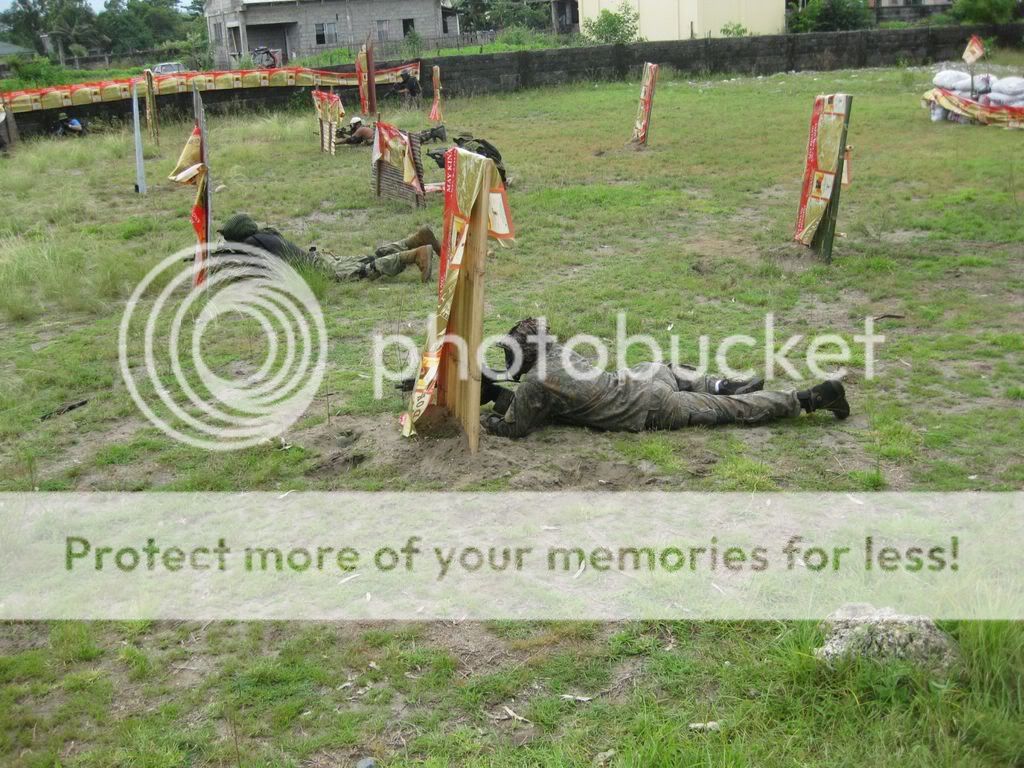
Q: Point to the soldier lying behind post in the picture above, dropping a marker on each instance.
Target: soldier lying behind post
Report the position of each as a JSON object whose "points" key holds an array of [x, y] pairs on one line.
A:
{"points": [[389, 260], [651, 396]]}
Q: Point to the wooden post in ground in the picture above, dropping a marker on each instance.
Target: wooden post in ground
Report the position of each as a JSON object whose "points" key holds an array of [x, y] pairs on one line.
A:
{"points": [[152, 121], [825, 236], [10, 126], [467, 322], [371, 78]]}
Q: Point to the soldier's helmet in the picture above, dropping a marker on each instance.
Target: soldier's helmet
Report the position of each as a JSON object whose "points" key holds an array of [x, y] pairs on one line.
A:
{"points": [[521, 346], [238, 228]]}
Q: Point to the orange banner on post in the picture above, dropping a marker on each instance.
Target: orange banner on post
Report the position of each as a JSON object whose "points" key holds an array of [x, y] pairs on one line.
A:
{"points": [[192, 170], [435, 111], [642, 125]]}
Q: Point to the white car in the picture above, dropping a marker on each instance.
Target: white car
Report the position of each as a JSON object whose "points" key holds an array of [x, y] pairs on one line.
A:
{"points": [[169, 68]]}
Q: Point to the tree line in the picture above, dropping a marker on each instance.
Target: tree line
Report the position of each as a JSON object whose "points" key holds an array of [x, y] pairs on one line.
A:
{"points": [[72, 28]]}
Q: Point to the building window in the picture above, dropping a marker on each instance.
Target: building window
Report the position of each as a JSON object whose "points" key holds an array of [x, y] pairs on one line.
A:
{"points": [[326, 34], [444, 24], [218, 33], [382, 30], [408, 25]]}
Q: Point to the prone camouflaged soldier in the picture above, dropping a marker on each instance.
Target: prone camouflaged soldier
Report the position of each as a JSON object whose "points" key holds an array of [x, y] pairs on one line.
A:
{"points": [[557, 386], [389, 260]]}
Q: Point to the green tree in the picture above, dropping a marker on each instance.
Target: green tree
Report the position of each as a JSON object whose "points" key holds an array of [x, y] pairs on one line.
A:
{"points": [[503, 14], [472, 15], [832, 16], [24, 22], [985, 11], [610, 27], [133, 25]]}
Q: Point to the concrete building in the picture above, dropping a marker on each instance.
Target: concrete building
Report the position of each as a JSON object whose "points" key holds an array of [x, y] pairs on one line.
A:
{"points": [[908, 10], [304, 27], [685, 19]]}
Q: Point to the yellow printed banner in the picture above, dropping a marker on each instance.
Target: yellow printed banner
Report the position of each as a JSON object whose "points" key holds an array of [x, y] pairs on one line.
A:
{"points": [[824, 150], [78, 94], [463, 184]]}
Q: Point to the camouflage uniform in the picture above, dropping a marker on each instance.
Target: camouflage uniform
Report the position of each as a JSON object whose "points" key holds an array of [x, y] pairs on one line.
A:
{"points": [[648, 396], [388, 260]]}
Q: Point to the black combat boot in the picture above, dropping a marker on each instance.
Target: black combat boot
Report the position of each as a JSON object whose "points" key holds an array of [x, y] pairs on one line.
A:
{"points": [[829, 396], [739, 386]]}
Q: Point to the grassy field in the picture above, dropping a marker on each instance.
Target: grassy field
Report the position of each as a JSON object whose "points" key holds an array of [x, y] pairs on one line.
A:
{"points": [[690, 236]]}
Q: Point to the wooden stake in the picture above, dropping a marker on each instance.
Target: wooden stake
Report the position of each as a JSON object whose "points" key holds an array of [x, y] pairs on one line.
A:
{"points": [[467, 322], [152, 120], [371, 79], [824, 237], [12, 127]]}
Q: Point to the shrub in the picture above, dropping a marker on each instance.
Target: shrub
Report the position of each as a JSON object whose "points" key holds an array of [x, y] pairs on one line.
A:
{"points": [[941, 20], [610, 27], [735, 29], [413, 44], [984, 11], [37, 72], [832, 16]]}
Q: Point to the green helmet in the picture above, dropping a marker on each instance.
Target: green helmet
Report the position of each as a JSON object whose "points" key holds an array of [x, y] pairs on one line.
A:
{"points": [[238, 228]]}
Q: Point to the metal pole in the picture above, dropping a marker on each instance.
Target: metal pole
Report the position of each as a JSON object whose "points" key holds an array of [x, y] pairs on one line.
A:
{"points": [[140, 165]]}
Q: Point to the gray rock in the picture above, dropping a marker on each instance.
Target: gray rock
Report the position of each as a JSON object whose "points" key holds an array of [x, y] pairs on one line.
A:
{"points": [[367, 762], [863, 631]]}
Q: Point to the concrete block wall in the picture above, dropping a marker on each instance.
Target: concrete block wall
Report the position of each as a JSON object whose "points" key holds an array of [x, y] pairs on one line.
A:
{"points": [[751, 55]]}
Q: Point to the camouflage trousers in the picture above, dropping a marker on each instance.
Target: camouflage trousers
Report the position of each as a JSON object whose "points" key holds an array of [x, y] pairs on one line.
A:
{"points": [[681, 399], [347, 268]]}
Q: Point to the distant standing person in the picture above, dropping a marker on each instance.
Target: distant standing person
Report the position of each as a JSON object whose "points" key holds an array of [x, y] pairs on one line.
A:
{"points": [[409, 87]]}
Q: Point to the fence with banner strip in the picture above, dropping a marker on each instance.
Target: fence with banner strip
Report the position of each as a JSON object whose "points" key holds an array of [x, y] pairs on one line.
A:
{"points": [[82, 94]]}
